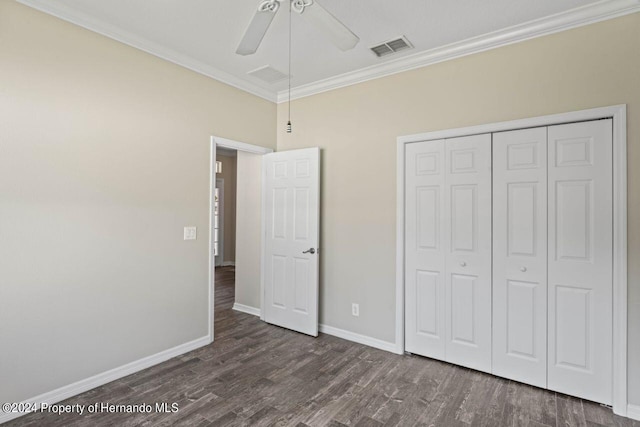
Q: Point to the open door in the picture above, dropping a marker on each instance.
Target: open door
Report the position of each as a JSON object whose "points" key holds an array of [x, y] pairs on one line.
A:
{"points": [[290, 259]]}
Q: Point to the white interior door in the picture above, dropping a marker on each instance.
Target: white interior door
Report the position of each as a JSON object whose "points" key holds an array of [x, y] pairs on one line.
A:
{"points": [[290, 259], [580, 259], [520, 255], [468, 258], [425, 249]]}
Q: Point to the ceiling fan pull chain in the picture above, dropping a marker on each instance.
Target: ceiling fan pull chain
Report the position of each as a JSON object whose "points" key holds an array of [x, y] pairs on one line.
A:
{"points": [[300, 5]]}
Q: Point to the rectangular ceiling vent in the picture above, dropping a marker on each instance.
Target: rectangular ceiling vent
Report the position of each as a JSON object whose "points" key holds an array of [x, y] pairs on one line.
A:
{"points": [[268, 74], [391, 46]]}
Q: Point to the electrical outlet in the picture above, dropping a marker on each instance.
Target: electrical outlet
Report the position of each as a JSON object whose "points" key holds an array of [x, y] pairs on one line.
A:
{"points": [[190, 233], [355, 309]]}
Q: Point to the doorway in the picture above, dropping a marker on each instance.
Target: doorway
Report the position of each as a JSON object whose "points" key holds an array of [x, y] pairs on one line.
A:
{"points": [[235, 224], [288, 283], [224, 209]]}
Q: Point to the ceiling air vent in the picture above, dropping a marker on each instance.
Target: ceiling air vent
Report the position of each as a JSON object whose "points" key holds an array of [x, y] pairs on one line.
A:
{"points": [[268, 74], [391, 46]]}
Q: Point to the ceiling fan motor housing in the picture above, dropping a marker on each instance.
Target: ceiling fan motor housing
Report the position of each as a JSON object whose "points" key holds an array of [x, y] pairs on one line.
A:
{"points": [[269, 6], [317, 15], [300, 5], [274, 5]]}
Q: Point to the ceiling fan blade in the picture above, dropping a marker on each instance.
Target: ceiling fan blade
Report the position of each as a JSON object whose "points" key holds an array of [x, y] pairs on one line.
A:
{"points": [[330, 26], [255, 32]]}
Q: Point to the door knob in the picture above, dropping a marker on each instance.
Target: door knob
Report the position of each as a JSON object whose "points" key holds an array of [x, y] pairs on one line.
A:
{"points": [[463, 264], [523, 269], [310, 251]]}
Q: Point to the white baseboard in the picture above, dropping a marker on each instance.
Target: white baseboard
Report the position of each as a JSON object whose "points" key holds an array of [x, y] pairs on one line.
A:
{"points": [[330, 330], [360, 339], [633, 411], [228, 263], [87, 384], [246, 309]]}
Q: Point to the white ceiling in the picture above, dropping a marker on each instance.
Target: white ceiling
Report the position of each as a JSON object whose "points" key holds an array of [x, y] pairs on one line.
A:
{"points": [[203, 34]]}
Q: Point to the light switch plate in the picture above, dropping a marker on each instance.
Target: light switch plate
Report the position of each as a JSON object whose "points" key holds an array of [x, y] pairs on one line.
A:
{"points": [[190, 233]]}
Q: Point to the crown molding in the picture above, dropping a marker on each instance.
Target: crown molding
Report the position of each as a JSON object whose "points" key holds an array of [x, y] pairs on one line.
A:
{"points": [[113, 32], [584, 15]]}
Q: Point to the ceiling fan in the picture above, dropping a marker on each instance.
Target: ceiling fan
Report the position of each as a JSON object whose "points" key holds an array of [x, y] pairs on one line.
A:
{"points": [[328, 24]]}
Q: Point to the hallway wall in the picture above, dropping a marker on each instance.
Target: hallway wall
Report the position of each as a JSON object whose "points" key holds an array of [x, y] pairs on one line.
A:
{"points": [[229, 176]]}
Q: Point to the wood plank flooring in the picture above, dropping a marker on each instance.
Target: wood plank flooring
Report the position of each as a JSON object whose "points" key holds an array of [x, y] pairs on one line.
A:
{"points": [[256, 374]]}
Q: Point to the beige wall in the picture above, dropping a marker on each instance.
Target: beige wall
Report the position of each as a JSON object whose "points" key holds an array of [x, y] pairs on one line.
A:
{"points": [[104, 158], [229, 217], [248, 233], [357, 126]]}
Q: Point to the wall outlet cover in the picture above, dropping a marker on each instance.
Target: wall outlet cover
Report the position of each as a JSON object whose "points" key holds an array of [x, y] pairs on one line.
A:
{"points": [[190, 233]]}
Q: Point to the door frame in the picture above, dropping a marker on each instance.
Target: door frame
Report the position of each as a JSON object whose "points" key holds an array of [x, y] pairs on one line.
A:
{"points": [[619, 115], [220, 221], [214, 143]]}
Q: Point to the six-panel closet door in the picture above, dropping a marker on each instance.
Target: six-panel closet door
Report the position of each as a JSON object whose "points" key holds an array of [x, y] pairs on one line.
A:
{"points": [[581, 259], [520, 255], [448, 250], [425, 249], [468, 251]]}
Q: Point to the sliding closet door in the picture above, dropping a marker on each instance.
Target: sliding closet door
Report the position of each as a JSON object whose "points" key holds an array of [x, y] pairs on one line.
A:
{"points": [[580, 260], [520, 255], [468, 260], [424, 250]]}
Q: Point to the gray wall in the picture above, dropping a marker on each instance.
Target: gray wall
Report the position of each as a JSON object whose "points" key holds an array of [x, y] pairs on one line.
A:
{"points": [[104, 158]]}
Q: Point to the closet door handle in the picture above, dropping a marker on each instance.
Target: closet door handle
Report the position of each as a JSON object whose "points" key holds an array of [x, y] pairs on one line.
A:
{"points": [[310, 251], [463, 264], [523, 269]]}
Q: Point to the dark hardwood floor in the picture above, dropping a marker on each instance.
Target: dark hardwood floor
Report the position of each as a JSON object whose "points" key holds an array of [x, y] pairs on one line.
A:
{"points": [[256, 374]]}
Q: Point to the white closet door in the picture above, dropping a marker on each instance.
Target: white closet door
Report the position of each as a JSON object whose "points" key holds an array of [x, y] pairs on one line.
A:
{"points": [[520, 255], [468, 258], [580, 260], [424, 249]]}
